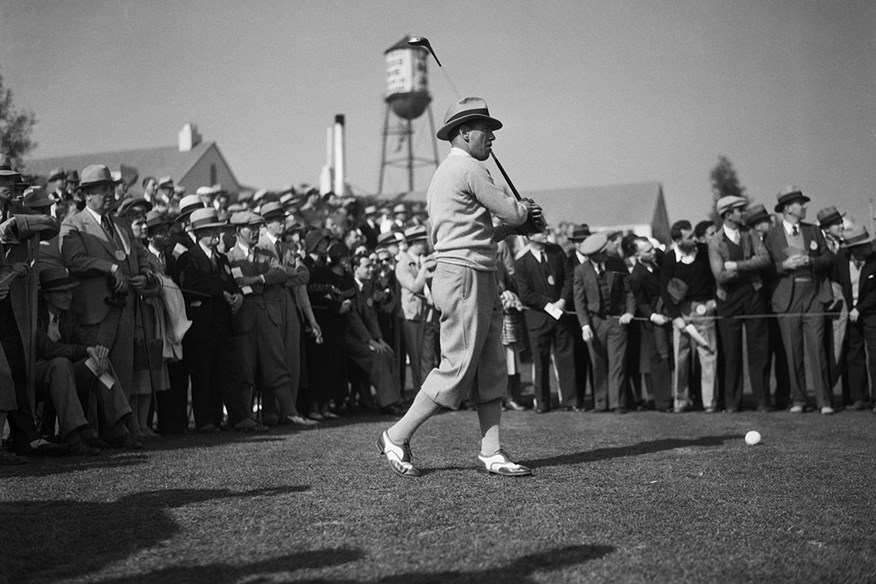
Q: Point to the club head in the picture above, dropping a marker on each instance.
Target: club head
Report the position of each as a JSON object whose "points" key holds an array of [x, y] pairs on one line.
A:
{"points": [[417, 41]]}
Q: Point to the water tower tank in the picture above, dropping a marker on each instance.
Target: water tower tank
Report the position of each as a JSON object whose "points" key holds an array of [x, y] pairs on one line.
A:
{"points": [[407, 87]]}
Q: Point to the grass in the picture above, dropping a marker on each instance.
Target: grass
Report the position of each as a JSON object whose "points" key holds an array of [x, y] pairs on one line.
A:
{"points": [[644, 497]]}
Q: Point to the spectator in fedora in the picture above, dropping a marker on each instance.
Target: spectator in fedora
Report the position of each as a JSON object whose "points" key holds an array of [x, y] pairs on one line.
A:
{"points": [[830, 220], [801, 291], [57, 184], [857, 276], [583, 371], [36, 199]]}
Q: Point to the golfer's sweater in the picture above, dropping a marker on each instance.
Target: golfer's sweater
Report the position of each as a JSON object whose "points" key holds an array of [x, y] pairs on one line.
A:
{"points": [[461, 201]]}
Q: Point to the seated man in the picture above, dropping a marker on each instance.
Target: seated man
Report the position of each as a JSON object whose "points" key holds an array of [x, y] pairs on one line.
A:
{"points": [[68, 363]]}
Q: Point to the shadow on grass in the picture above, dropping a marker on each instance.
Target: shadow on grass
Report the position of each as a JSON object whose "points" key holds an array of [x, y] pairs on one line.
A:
{"points": [[43, 467], [633, 450], [519, 571], [51, 540]]}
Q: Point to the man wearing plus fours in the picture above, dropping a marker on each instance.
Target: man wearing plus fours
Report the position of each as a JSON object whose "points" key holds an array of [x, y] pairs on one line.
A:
{"points": [[461, 200]]}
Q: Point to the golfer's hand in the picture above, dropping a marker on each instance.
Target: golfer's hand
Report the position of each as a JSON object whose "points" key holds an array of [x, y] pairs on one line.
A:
{"points": [[120, 283], [626, 318], [853, 315], [587, 333]]}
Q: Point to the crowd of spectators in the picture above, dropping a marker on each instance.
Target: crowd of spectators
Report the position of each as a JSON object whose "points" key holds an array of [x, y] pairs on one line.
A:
{"points": [[123, 318]]}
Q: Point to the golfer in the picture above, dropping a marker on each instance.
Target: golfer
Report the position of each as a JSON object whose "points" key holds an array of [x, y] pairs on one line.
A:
{"points": [[461, 201]]}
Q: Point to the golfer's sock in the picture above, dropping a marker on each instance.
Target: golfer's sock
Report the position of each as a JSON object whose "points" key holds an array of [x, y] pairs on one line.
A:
{"points": [[421, 410], [489, 415]]}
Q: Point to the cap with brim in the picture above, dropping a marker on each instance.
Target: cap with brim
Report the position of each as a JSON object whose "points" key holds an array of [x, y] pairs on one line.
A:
{"points": [[157, 219], [856, 236], [204, 218], [464, 110], [96, 175], [312, 239], [57, 174], [56, 279], [244, 218], [829, 216], [165, 182], [756, 214], [133, 202], [37, 198], [389, 238], [787, 195], [594, 244], [416, 233], [727, 203], [580, 232], [273, 211]]}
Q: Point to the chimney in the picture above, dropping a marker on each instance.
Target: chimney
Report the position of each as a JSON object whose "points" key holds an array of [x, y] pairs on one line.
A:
{"points": [[339, 156], [188, 137]]}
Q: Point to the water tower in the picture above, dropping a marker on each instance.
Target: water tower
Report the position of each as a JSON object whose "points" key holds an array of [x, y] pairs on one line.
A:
{"points": [[407, 97]]}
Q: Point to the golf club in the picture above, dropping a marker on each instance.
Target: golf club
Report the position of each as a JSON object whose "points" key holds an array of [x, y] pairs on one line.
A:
{"points": [[418, 41]]}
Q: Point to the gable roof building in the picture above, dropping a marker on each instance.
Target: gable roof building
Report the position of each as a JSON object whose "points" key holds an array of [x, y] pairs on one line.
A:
{"points": [[191, 164]]}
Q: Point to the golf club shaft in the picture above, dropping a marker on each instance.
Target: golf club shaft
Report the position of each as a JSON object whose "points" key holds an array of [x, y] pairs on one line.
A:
{"points": [[505, 176]]}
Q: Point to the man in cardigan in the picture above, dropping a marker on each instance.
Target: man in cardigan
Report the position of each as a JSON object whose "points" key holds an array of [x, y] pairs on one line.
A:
{"points": [[462, 200], [802, 290], [737, 256]]}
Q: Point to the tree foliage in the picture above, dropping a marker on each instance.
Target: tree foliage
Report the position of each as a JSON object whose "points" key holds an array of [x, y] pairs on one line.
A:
{"points": [[16, 127], [725, 182]]}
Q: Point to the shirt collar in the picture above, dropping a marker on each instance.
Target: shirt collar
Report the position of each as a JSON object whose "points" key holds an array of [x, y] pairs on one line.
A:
{"points": [[456, 151], [789, 228], [731, 232], [154, 251], [581, 257], [97, 216], [207, 251], [270, 237], [359, 283]]}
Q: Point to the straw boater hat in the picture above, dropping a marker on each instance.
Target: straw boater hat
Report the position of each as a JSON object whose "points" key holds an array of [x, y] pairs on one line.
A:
{"points": [[724, 204], [829, 216], [415, 233], [756, 214], [787, 195], [464, 110], [594, 244], [56, 279], [204, 218], [37, 198], [580, 233], [188, 204], [96, 175], [856, 236]]}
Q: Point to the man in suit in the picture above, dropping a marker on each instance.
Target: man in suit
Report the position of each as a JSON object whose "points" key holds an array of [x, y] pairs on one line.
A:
{"points": [[583, 371], [830, 221], [645, 284], [857, 276], [801, 259], [688, 289], [737, 257], [545, 289], [258, 325], [69, 363], [370, 228], [271, 241], [604, 304], [112, 269], [211, 296]]}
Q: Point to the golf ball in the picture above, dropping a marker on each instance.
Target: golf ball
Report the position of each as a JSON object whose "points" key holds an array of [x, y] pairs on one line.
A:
{"points": [[752, 438]]}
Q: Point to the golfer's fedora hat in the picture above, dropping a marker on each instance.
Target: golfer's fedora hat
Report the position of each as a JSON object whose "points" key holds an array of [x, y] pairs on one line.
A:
{"points": [[96, 175], [204, 218], [56, 279], [580, 232], [464, 110], [787, 195], [828, 216], [856, 236], [756, 214], [37, 198]]}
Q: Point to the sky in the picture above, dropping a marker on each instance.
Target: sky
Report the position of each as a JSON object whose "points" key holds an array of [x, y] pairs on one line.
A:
{"points": [[590, 92]]}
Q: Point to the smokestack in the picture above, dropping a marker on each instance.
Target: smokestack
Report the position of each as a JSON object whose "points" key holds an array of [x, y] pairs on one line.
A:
{"points": [[326, 176], [188, 137], [339, 160]]}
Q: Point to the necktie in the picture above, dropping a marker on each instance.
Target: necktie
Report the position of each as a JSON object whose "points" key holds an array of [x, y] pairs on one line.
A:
{"points": [[795, 231], [107, 225], [54, 332]]}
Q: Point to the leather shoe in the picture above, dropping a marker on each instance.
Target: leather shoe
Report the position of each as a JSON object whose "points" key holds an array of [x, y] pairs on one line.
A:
{"points": [[827, 410], [513, 406], [399, 456], [9, 459], [46, 448], [300, 421], [125, 441], [392, 410], [83, 449], [249, 425], [858, 406], [798, 409], [500, 464]]}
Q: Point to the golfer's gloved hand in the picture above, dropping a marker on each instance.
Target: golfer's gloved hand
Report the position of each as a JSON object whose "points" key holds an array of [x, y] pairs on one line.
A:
{"points": [[535, 220]]}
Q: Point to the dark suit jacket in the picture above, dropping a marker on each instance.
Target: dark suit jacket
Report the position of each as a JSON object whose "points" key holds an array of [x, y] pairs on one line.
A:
{"points": [[363, 318], [587, 294], [370, 233], [755, 255], [203, 285], [89, 253], [72, 345], [535, 290], [814, 245], [646, 290], [866, 286]]}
